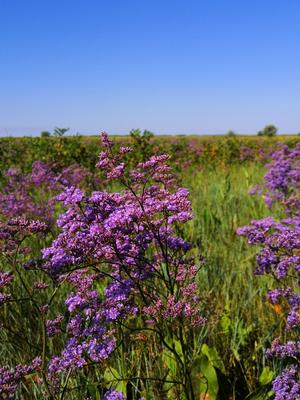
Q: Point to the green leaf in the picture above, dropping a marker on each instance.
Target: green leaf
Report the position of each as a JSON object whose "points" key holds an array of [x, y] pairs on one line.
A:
{"points": [[169, 361], [266, 376], [209, 381], [94, 392], [225, 323], [111, 376], [213, 356], [174, 344]]}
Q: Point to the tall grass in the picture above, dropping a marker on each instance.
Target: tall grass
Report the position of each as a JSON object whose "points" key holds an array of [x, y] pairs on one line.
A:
{"points": [[241, 324]]}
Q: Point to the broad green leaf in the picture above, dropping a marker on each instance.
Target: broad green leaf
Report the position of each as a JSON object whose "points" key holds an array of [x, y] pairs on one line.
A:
{"points": [[266, 376], [209, 381], [213, 356], [169, 361]]}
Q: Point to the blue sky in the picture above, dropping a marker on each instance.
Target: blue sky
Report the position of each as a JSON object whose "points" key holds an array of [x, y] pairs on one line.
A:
{"points": [[173, 67]]}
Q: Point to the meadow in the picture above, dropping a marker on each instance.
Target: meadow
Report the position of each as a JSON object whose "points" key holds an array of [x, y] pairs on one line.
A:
{"points": [[150, 352]]}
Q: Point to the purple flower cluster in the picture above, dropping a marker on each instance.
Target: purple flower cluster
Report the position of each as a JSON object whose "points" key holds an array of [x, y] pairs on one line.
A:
{"points": [[13, 233], [287, 385], [113, 395], [10, 377], [281, 242], [126, 240], [53, 327], [5, 279], [282, 181], [119, 258], [284, 350], [32, 196], [89, 336], [279, 257]]}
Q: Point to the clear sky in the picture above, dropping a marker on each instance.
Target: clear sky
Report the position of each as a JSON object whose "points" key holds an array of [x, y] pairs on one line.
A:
{"points": [[170, 66]]}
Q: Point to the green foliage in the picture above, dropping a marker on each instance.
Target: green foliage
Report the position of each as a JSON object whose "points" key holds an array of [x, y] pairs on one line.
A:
{"points": [[208, 382], [141, 142], [228, 359], [266, 376], [45, 134], [187, 153], [214, 357], [268, 131], [231, 133], [112, 376]]}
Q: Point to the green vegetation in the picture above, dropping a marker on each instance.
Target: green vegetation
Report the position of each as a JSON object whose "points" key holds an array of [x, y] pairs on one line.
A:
{"points": [[218, 173], [269, 131]]}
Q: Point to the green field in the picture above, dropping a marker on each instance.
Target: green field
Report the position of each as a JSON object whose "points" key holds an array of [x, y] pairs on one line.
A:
{"points": [[241, 324]]}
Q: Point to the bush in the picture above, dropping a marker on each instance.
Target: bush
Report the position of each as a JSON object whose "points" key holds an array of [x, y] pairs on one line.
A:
{"points": [[269, 131], [45, 134]]}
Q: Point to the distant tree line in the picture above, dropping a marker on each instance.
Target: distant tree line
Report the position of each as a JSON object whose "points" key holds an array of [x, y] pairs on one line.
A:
{"points": [[268, 131]]}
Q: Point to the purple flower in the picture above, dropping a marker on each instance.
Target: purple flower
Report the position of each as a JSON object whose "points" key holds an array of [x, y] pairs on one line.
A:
{"points": [[5, 278], [53, 327], [279, 257], [122, 255], [113, 395], [10, 377], [287, 385], [71, 195]]}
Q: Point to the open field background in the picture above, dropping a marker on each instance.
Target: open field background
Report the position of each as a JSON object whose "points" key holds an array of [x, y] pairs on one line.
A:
{"points": [[202, 151], [219, 172]]}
